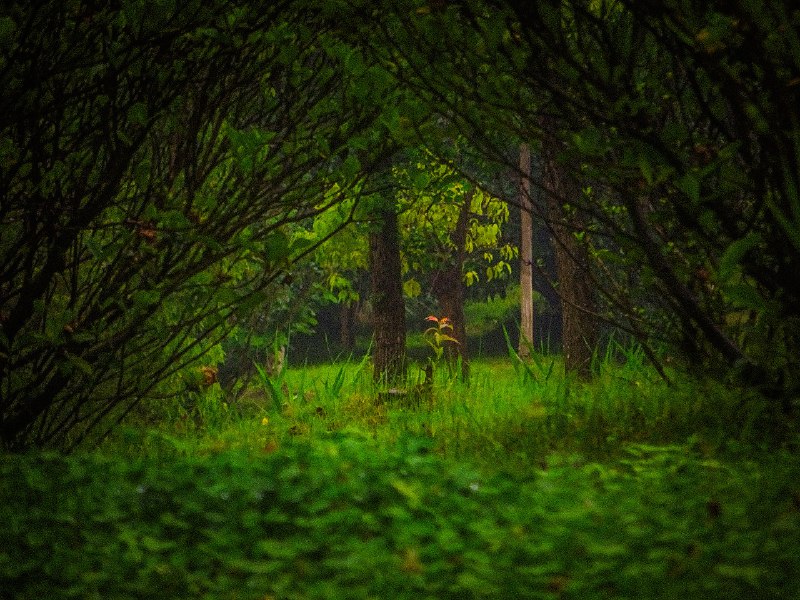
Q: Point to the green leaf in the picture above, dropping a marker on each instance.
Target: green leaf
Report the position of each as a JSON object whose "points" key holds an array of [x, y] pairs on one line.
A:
{"points": [[351, 167], [271, 388], [589, 141], [748, 573], [96, 249], [155, 545], [354, 62], [421, 179], [441, 337], [80, 363], [408, 490], [757, 118], [412, 288], [141, 173], [298, 245], [646, 168], [137, 114], [734, 255], [742, 295], [145, 298], [8, 28], [689, 185], [276, 247], [174, 220]]}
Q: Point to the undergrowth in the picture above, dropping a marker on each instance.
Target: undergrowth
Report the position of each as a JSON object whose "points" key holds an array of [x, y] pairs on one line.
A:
{"points": [[520, 483], [345, 518], [508, 415]]}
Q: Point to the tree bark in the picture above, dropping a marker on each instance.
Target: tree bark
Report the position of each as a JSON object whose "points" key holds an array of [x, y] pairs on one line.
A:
{"points": [[525, 253], [388, 304], [578, 303], [448, 287]]}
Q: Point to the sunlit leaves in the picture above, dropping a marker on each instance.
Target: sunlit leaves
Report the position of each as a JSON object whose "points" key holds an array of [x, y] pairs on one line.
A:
{"points": [[412, 288], [433, 197]]}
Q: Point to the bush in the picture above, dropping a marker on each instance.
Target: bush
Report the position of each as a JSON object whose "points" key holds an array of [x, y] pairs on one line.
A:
{"points": [[341, 519]]}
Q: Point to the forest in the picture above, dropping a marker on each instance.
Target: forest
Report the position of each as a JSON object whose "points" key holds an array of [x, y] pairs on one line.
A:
{"points": [[400, 299]]}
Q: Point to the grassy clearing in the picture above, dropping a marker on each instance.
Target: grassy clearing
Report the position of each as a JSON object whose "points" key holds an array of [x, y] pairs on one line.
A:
{"points": [[509, 416], [521, 484]]}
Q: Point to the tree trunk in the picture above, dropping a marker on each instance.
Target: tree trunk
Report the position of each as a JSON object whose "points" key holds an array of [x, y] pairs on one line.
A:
{"points": [[448, 288], [579, 328], [450, 297], [388, 304], [525, 253]]}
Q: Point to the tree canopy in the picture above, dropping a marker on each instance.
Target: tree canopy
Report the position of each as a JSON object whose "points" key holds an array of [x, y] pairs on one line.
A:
{"points": [[154, 156], [679, 121]]}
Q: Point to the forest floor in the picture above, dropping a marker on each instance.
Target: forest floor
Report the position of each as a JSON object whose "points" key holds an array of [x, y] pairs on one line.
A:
{"points": [[520, 484]]}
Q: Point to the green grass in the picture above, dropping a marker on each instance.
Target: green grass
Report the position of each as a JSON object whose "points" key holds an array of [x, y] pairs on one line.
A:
{"points": [[522, 484], [508, 415]]}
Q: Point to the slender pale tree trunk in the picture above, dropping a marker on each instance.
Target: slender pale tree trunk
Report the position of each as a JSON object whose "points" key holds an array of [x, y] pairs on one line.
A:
{"points": [[578, 305], [525, 253], [388, 304]]}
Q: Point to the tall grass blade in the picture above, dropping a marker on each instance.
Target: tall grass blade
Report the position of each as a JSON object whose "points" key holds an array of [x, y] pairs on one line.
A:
{"points": [[271, 388], [516, 359], [362, 365], [335, 389]]}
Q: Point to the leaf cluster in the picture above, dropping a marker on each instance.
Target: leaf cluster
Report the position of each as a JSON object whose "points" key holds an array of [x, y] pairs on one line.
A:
{"points": [[338, 519]]}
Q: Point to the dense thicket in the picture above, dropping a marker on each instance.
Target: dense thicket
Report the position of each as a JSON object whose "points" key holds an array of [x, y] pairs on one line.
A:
{"points": [[154, 153]]}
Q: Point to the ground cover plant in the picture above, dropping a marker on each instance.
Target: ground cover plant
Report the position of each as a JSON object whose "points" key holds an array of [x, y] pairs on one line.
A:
{"points": [[509, 411], [522, 484], [343, 519]]}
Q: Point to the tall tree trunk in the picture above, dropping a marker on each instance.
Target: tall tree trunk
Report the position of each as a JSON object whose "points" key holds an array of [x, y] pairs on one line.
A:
{"points": [[525, 253], [578, 306], [448, 287], [388, 304]]}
